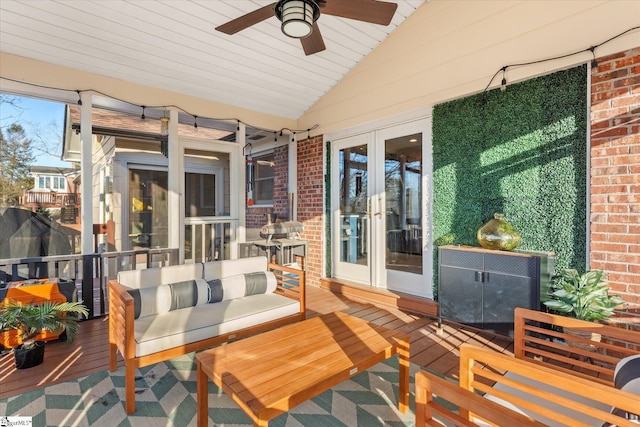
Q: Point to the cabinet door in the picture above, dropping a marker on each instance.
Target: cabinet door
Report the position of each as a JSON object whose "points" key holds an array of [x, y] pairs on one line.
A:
{"points": [[460, 295], [502, 293]]}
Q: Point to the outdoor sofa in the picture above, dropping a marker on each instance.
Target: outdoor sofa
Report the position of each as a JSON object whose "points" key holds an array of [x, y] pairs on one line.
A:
{"points": [[161, 313]]}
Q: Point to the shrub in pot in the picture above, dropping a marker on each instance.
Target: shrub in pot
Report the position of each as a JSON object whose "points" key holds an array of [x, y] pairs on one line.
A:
{"points": [[30, 320], [585, 297]]}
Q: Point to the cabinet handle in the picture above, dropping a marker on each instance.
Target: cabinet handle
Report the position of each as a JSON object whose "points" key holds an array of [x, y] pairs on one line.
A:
{"points": [[482, 276]]}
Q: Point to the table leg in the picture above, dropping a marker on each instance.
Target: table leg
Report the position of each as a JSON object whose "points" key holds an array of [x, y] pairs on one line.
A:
{"points": [[202, 396], [403, 361]]}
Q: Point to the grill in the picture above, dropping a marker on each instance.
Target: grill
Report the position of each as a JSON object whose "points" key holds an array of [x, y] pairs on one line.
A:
{"points": [[282, 230]]}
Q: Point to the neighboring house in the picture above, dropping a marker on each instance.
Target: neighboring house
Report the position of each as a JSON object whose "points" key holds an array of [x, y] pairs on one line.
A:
{"points": [[56, 190]]}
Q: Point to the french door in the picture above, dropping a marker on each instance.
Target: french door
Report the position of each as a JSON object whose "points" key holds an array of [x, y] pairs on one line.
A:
{"points": [[379, 210]]}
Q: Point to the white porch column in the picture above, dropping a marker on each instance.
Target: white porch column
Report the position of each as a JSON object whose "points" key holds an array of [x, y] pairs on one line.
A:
{"points": [[175, 185], [86, 198], [293, 178], [241, 164]]}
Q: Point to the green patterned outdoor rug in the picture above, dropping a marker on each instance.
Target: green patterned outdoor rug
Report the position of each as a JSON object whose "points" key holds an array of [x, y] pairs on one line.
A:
{"points": [[166, 396]]}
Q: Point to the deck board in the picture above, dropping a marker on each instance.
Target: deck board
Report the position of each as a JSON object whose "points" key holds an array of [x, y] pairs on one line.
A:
{"points": [[89, 351]]}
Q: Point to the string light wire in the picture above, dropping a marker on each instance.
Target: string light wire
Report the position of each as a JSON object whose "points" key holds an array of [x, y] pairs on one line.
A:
{"points": [[156, 107], [554, 58]]}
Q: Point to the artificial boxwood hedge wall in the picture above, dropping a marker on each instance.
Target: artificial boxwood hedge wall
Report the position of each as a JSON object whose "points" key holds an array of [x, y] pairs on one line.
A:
{"points": [[521, 152]]}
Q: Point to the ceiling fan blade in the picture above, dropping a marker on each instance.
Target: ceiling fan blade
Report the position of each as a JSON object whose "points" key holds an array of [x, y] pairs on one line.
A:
{"points": [[314, 42], [376, 12], [245, 21]]}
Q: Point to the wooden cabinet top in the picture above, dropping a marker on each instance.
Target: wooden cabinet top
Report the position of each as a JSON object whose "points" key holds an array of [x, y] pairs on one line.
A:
{"points": [[516, 252]]}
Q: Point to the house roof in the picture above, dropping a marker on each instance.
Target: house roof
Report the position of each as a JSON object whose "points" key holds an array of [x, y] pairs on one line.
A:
{"points": [[173, 45], [51, 170], [107, 122]]}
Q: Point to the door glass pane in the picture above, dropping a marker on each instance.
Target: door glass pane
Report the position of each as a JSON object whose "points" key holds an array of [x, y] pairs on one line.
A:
{"points": [[354, 220], [403, 192], [147, 209], [200, 194]]}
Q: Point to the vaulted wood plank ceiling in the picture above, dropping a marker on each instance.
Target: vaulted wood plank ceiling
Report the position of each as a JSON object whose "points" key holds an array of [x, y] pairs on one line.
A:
{"points": [[173, 45]]}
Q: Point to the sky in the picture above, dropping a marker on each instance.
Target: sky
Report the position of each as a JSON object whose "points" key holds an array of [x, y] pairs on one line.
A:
{"points": [[37, 114]]}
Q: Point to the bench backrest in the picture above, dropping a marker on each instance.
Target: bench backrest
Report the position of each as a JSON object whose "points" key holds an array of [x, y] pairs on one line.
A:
{"points": [[233, 267], [547, 339], [150, 277]]}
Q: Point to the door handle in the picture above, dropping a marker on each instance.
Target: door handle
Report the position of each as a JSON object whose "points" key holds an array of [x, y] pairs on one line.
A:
{"points": [[379, 207]]}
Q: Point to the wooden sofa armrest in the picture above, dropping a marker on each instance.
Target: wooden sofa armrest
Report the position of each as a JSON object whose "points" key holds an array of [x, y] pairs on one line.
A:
{"points": [[291, 283], [541, 391], [543, 339], [431, 413], [121, 317]]}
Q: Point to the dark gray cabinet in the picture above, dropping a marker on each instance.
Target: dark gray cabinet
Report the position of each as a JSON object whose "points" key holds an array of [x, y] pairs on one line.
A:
{"points": [[482, 287]]}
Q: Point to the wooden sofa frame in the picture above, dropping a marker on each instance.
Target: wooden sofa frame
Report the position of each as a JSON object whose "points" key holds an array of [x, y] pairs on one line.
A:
{"points": [[431, 413], [291, 284], [542, 352], [541, 338], [481, 369]]}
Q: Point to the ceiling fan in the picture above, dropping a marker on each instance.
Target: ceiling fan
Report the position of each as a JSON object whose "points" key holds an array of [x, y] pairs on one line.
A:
{"points": [[299, 17]]}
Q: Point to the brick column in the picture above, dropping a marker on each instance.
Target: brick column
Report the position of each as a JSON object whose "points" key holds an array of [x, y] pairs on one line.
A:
{"points": [[310, 203], [615, 172]]}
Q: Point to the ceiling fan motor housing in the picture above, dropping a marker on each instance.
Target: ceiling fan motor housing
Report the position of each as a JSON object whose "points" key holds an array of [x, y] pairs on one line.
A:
{"points": [[297, 17]]}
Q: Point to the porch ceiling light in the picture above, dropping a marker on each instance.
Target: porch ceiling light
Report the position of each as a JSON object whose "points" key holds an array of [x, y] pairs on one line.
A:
{"points": [[297, 17]]}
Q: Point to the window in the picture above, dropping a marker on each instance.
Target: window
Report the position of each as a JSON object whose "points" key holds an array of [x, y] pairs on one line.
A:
{"points": [[200, 194], [263, 179], [148, 209], [41, 182], [58, 183]]}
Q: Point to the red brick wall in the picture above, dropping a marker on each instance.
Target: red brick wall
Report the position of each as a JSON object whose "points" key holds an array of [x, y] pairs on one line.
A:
{"points": [[310, 203], [256, 217], [615, 172]]}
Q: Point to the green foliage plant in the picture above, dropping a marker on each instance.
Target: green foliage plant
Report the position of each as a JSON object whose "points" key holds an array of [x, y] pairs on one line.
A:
{"points": [[585, 297], [32, 319]]}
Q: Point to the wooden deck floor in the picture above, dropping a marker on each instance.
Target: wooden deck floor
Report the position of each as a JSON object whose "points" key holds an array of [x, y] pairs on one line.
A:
{"points": [[89, 352]]}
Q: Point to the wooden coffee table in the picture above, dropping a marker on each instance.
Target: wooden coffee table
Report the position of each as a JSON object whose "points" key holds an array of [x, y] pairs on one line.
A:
{"points": [[271, 373]]}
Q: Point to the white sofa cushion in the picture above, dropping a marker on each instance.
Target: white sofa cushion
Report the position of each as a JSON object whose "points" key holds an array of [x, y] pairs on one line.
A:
{"points": [[626, 377], [151, 277], [188, 325], [259, 282], [541, 385], [233, 267], [150, 301]]}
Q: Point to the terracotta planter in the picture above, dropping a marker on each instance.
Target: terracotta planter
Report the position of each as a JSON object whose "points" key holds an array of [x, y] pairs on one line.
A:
{"points": [[28, 358]]}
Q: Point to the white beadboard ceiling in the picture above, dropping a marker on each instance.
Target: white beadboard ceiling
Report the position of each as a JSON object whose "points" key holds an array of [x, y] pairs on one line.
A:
{"points": [[172, 44]]}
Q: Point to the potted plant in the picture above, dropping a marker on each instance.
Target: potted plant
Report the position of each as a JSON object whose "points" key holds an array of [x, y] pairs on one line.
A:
{"points": [[30, 320], [585, 297]]}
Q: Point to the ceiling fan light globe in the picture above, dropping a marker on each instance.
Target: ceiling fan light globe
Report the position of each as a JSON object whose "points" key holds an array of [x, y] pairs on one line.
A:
{"points": [[296, 29], [298, 17]]}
